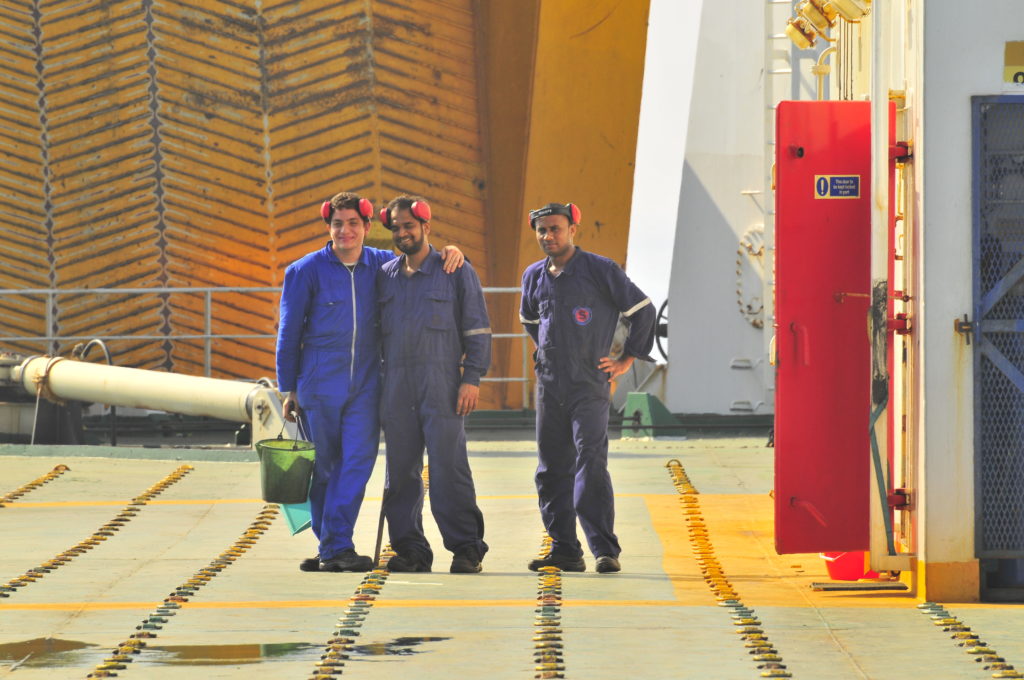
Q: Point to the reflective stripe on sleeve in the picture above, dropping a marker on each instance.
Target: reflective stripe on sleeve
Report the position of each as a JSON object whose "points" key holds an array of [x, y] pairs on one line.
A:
{"points": [[637, 307], [478, 331], [523, 319]]}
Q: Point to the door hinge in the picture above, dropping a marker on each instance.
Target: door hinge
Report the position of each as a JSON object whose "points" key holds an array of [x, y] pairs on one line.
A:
{"points": [[899, 499], [900, 325], [901, 152]]}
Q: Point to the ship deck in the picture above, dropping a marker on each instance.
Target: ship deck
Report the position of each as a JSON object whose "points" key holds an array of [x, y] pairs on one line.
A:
{"points": [[165, 563]]}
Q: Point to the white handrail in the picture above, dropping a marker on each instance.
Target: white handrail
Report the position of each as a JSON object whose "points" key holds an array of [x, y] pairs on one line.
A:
{"points": [[208, 336]]}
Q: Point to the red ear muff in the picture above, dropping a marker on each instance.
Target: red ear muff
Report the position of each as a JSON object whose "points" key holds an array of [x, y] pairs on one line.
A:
{"points": [[385, 217], [365, 208], [421, 211], [326, 210], [575, 216]]}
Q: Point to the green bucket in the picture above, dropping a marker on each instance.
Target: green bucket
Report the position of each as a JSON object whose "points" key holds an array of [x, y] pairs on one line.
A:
{"points": [[286, 466]]}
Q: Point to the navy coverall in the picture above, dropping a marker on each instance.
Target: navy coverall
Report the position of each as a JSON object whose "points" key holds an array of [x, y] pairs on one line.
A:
{"points": [[431, 324], [328, 352], [572, 319]]}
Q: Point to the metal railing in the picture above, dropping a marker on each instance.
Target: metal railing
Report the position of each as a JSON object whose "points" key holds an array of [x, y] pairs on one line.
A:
{"points": [[208, 336]]}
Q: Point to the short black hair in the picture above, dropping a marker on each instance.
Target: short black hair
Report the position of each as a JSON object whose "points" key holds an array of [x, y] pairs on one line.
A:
{"points": [[346, 200], [404, 202]]}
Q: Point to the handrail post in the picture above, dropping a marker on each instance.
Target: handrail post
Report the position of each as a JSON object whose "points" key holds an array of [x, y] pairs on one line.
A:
{"points": [[208, 332], [526, 368], [51, 340]]}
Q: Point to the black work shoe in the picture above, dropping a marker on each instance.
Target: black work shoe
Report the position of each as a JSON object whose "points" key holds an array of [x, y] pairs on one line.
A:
{"points": [[409, 564], [563, 562], [347, 560], [310, 564], [466, 561], [606, 564]]}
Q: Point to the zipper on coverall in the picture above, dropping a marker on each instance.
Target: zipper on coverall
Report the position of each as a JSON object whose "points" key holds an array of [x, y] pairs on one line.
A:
{"points": [[355, 326]]}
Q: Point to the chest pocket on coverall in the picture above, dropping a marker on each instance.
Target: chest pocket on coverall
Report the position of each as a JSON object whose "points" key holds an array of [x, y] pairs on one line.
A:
{"points": [[441, 339]]}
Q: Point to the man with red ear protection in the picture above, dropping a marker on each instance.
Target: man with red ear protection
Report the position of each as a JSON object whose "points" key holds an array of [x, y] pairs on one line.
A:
{"points": [[436, 345], [571, 304], [328, 366]]}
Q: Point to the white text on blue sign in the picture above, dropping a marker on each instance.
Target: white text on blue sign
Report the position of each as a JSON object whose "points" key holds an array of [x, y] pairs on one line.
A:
{"points": [[837, 186]]}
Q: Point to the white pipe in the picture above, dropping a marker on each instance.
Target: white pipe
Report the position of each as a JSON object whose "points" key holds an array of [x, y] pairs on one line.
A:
{"points": [[822, 69], [878, 540], [879, 147], [138, 388], [881, 61]]}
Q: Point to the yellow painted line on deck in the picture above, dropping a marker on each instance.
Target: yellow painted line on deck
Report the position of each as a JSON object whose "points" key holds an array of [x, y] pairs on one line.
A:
{"points": [[326, 604], [570, 603], [29, 505], [32, 505], [404, 604]]}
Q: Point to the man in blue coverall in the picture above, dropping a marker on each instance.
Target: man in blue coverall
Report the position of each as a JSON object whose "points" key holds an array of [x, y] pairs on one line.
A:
{"points": [[437, 344], [570, 306], [328, 360]]}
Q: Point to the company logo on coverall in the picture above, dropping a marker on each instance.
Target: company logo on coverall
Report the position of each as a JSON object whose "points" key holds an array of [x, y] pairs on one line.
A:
{"points": [[582, 315]]}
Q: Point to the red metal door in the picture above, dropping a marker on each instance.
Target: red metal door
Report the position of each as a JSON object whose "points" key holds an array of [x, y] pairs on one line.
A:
{"points": [[822, 295]]}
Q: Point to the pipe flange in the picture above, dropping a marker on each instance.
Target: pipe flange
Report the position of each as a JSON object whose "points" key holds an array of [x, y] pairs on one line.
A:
{"points": [[42, 382]]}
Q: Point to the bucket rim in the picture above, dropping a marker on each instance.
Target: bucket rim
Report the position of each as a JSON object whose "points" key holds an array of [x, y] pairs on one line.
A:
{"points": [[284, 445]]}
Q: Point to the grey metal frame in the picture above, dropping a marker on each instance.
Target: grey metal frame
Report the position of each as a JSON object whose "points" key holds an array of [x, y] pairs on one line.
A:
{"points": [[1010, 544]]}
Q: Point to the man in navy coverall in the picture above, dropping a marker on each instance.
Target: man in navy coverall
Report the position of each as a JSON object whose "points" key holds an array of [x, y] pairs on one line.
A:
{"points": [[570, 306], [437, 344], [328, 358]]}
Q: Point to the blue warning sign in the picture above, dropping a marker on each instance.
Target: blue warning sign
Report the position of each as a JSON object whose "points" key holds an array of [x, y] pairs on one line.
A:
{"points": [[837, 186]]}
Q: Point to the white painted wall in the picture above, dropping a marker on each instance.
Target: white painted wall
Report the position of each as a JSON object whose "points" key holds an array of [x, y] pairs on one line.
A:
{"points": [[943, 162], [724, 157], [661, 141]]}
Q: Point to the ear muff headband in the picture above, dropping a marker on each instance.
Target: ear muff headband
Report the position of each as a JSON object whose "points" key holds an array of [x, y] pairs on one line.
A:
{"points": [[419, 209], [365, 210], [570, 210]]}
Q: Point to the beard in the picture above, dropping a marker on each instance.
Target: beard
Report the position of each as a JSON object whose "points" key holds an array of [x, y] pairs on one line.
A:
{"points": [[410, 246]]}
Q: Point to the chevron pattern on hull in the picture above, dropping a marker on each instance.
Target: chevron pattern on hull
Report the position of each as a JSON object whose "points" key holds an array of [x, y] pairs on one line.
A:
{"points": [[320, 114], [189, 143], [429, 121], [106, 210], [210, 105], [24, 222]]}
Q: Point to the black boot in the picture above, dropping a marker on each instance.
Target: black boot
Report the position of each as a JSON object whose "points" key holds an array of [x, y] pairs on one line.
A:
{"points": [[563, 562], [411, 563], [467, 561], [347, 560]]}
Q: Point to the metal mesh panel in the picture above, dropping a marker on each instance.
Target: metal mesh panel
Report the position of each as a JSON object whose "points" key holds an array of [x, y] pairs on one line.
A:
{"points": [[1000, 306]]}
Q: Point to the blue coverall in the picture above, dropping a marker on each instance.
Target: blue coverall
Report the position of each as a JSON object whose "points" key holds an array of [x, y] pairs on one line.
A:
{"points": [[572, 319], [328, 351], [432, 324]]}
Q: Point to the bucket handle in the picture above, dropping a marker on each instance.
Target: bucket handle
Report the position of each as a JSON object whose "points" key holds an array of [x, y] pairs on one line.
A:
{"points": [[302, 430], [300, 421]]}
